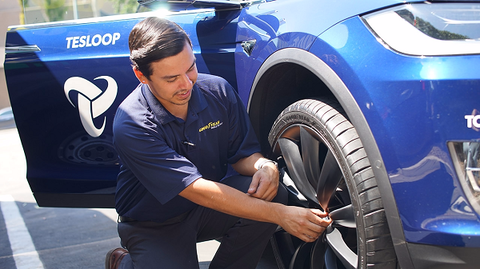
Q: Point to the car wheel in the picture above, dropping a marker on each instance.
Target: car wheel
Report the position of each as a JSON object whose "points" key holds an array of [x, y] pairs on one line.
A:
{"points": [[327, 167]]}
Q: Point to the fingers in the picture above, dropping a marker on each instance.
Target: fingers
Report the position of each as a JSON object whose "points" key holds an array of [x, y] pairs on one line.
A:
{"points": [[266, 191], [319, 213], [322, 218], [317, 223], [313, 234], [306, 224], [263, 187], [318, 229], [253, 185], [310, 238]]}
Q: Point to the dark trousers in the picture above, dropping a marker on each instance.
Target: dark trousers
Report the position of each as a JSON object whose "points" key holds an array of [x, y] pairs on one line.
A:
{"points": [[173, 244]]}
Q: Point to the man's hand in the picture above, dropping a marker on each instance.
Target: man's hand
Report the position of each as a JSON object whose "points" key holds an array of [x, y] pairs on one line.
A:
{"points": [[265, 182], [306, 224]]}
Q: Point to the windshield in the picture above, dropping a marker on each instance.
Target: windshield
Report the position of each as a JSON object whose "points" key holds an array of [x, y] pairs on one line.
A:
{"points": [[40, 11]]}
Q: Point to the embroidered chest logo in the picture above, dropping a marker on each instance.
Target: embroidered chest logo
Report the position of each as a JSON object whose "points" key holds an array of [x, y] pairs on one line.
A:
{"points": [[92, 102], [210, 125]]}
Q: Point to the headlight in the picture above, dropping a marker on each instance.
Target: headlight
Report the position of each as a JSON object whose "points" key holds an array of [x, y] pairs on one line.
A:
{"points": [[466, 158], [429, 29]]}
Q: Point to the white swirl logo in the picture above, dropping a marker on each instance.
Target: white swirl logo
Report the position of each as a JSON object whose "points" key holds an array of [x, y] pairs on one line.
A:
{"points": [[92, 101]]}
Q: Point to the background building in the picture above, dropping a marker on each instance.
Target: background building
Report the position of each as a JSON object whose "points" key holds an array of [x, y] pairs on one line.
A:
{"points": [[9, 15]]}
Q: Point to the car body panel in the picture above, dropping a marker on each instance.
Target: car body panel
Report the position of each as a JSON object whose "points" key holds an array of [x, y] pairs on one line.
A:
{"points": [[428, 101], [283, 24]]}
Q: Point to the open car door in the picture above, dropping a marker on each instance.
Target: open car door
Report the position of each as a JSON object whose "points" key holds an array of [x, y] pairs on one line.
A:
{"points": [[66, 79]]}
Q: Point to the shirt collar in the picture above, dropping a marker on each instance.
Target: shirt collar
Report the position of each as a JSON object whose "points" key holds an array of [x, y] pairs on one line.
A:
{"points": [[196, 104]]}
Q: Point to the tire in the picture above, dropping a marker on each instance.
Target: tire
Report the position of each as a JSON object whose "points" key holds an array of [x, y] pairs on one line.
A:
{"points": [[325, 162]]}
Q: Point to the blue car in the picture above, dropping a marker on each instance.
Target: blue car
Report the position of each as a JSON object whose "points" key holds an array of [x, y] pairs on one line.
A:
{"points": [[371, 108]]}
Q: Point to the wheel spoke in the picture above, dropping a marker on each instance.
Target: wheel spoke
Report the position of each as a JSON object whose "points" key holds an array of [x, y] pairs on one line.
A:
{"points": [[310, 150], [329, 178], [293, 160], [346, 256], [344, 217]]}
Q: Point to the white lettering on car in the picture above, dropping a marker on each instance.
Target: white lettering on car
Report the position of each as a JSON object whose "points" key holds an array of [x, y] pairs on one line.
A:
{"points": [[85, 41], [92, 102], [473, 121]]}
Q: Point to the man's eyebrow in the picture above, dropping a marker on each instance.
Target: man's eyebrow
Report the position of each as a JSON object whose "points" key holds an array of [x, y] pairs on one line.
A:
{"points": [[193, 64]]}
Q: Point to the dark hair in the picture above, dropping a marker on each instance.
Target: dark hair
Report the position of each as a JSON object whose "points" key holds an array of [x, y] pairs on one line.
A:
{"points": [[154, 39]]}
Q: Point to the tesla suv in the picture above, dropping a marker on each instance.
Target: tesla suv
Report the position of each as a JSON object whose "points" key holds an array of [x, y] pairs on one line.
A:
{"points": [[371, 109]]}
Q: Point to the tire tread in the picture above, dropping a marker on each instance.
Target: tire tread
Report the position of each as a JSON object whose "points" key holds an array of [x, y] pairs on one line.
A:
{"points": [[328, 119]]}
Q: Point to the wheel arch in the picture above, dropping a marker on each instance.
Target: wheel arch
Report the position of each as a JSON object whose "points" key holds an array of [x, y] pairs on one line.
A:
{"points": [[292, 74]]}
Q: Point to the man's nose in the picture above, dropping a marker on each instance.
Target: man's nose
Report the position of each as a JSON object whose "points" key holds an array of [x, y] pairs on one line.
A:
{"points": [[186, 82]]}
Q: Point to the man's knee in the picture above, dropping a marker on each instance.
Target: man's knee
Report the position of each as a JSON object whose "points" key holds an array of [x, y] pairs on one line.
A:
{"points": [[282, 195], [239, 182]]}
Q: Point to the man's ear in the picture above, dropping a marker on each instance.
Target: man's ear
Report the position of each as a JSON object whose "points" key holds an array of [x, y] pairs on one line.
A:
{"points": [[140, 75]]}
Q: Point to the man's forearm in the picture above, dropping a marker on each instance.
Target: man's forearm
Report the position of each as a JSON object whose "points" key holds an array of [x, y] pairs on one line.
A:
{"points": [[306, 224], [228, 200], [246, 166]]}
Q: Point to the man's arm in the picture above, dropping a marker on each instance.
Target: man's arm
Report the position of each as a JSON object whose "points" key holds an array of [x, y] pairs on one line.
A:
{"points": [[306, 224], [264, 180]]}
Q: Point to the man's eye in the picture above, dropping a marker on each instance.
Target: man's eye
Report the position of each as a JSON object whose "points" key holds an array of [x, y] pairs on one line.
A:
{"points": [[170, 80]]}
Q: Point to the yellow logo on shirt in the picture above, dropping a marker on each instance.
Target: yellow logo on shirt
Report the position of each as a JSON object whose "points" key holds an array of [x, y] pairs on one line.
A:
{"points": [[211, 125]]}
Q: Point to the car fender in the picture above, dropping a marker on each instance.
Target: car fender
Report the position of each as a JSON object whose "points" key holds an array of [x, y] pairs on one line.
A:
{"points": [[342, 94]]}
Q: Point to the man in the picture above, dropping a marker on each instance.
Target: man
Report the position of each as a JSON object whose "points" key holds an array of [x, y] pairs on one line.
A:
{"points": [[177, 134]]}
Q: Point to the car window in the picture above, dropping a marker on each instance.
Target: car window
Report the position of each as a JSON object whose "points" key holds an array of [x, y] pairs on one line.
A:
{"points": [[41, 11]]}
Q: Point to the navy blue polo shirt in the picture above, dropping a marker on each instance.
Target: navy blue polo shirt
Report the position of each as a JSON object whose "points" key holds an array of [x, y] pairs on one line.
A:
{"points": [[161, 154]]}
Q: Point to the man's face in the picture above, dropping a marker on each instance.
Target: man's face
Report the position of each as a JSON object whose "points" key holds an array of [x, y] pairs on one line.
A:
{"points": [[172, 79]]}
